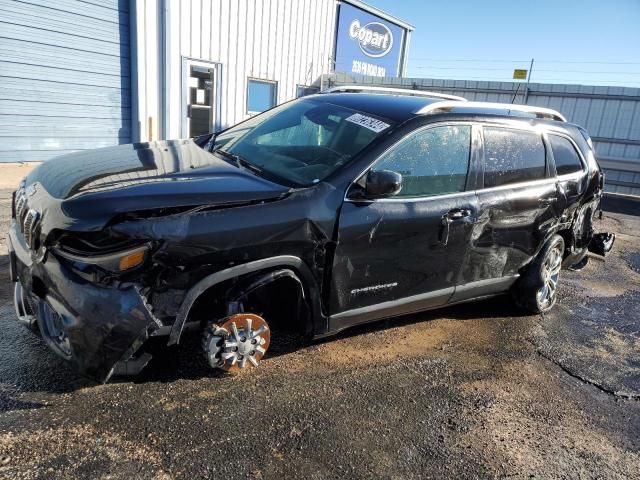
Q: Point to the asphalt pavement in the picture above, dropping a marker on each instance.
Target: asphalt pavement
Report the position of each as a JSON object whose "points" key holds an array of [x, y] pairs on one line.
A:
{"points": [[473, 391]]}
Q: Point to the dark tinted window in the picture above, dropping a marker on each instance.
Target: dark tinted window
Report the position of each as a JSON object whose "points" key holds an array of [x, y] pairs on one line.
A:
{"points": [[565, 155], [512, 156], [433, 161]]}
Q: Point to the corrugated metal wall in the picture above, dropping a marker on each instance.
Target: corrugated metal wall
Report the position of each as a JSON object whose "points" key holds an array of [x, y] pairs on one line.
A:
{"points": [[64, 77], [287, 41], [610, 114]]}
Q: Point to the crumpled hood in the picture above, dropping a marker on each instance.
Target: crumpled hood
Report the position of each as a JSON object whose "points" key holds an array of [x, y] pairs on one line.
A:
{"points": [[93, 186]]}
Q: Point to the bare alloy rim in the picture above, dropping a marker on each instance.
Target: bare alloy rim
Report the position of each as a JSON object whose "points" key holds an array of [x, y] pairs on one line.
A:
{"points": [[550, 274], [241, 341]]}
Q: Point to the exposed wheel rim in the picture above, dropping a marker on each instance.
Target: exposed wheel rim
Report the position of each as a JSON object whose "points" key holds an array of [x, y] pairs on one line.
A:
{"points": [[550, 275], [240, 342], [53, 331], [24, 310]]}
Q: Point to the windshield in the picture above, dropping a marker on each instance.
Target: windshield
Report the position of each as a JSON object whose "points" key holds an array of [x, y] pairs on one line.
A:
{"points": [[301, 143]]}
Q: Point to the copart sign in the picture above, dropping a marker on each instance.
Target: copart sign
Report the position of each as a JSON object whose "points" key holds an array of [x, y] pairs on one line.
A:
{"points": [[367, 44]]}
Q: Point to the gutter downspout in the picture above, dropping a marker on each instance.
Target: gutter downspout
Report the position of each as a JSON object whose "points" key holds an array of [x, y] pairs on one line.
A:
{"points": [[133, 65]]}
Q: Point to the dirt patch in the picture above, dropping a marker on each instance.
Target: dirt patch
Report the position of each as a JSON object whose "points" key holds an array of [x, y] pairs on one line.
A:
{"points": [[405, 341], [72, 452], [12, 173], [530, 434]]}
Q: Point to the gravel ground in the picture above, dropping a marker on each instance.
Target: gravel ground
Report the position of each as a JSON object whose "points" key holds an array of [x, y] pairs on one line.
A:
{"points": [[472, 391]]}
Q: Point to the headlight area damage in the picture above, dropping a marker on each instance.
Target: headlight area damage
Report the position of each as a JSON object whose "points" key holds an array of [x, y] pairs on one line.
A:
{"points": [[86, 302], [99, 297]]}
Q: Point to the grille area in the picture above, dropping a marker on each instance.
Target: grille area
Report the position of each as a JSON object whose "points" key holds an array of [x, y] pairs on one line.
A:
{"points": [[27, 219], [21, 204], [29, 227]]}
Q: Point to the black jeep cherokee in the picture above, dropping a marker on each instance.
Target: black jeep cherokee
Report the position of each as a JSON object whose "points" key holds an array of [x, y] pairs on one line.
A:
{"points": [[319, 214]]}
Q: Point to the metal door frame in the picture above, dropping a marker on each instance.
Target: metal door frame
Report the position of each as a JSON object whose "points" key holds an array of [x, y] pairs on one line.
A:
{"points": [[216, 123]]}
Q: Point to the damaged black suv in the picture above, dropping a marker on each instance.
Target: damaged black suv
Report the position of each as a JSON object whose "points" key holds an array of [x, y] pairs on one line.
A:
{"points": [[327, 211]]}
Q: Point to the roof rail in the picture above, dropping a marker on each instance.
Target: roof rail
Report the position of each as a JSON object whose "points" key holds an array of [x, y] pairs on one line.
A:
{"points": [[496, 108], [402, 91]]}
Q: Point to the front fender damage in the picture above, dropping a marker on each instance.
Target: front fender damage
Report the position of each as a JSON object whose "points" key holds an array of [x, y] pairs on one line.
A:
{"points": [[105, 327]]}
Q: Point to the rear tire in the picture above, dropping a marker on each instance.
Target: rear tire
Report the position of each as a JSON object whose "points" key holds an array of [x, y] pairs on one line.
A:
{"points": [[536, 289]]}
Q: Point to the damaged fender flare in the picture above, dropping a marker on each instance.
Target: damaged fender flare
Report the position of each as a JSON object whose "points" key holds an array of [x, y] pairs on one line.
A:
{"points": [[239, 271]]}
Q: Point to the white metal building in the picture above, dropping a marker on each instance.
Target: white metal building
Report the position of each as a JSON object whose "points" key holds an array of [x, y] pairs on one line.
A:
{"points": [[81, 74]]}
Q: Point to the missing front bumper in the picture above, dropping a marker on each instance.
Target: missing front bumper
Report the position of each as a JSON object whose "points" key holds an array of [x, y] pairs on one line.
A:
{"points": [[96, 327]]}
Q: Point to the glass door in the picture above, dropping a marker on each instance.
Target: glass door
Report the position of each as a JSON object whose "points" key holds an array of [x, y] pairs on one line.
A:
{"points": [[199, 97]]}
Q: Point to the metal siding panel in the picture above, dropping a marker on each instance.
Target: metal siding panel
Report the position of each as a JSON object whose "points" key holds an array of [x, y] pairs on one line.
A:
{"points": [[185, 30], [250, 39], [205, 33], [594, 121], [232, 92], [227, 108], [623, 122], [65, 77], [116, 11], [609, 113], [66, 40], [17, 52], [17, 108], [284, 92], [196, 28], [59, 21], [634, 128], [238, 43]]}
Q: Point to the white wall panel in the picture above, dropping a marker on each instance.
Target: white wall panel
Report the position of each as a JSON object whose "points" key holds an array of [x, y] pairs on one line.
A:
{"points": [[287, 41]]}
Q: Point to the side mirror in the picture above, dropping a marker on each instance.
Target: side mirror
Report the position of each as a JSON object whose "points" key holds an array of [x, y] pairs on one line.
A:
{"points": [[382, 183]]}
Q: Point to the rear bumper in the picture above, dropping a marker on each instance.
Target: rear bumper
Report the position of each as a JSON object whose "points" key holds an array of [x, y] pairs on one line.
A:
{"points": [[102, 325]]}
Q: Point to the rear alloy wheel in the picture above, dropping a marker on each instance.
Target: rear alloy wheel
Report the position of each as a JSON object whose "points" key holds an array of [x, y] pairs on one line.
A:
{"points": [[239, 342], [536, 289], [546, 295]]}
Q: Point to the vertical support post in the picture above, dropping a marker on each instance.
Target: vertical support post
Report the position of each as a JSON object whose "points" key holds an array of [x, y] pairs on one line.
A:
{"points": [[526, 88], [133, 56], [164, 64]]}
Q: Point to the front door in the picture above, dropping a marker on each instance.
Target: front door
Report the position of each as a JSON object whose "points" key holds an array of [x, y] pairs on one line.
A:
{"points": [[402, 254], [199, 98]]}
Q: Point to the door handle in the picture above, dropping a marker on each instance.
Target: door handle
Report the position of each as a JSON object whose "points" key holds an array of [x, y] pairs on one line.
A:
{"points": [[545, 202], [450, 217], [458, 213]]}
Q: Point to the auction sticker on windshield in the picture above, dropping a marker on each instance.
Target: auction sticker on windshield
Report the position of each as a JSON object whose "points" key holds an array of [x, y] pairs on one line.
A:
{"points": [[367, 122]]}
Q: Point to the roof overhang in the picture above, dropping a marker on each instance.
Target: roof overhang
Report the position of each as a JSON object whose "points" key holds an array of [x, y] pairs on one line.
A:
{"points": [[379, 13]]}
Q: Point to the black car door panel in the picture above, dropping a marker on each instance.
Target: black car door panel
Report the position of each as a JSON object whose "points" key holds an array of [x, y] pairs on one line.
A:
{"points": [[404, 253], [517, 209]]}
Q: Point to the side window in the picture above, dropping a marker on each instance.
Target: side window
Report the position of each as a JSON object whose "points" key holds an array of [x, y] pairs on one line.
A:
{"points": [[432, 161], [565, 155], [512, 156]]}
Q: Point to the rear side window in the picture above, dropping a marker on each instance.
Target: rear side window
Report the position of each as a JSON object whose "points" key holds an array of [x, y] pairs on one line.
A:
{"points": [[433, 161], [565, 155], [512, 156]]}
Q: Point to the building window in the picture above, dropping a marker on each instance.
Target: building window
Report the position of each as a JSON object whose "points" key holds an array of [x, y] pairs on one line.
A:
{"points": [[261, 95], [304, 90]]}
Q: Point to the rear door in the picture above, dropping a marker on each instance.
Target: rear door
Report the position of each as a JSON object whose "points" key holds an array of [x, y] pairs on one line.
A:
{"points": [[404, 253], [570, 169], [517, 205]]}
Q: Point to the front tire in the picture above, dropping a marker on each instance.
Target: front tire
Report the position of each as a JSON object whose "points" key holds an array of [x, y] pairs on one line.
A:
{"points": [[536, 290]]}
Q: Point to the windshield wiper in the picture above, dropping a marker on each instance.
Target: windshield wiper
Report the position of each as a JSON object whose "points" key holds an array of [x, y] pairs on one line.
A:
{"points": [[240, 162]]}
